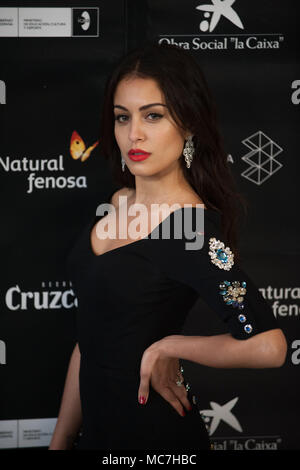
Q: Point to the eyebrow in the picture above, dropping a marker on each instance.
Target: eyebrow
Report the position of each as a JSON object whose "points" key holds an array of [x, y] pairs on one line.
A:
{"points": [[146, 106]]}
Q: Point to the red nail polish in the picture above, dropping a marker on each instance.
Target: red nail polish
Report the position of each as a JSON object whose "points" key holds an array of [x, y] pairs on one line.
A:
{"points": [[182, 413], [142, 400]]}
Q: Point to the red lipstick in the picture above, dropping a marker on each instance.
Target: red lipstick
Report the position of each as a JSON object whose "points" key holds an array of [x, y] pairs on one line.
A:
{"points": [[137, 155]]}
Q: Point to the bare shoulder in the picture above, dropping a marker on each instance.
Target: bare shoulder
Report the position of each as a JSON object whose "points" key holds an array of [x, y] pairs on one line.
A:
{"points": [[121, 192]]}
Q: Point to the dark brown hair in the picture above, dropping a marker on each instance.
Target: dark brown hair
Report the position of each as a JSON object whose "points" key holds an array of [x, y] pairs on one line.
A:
{"points": [[192, 106]]}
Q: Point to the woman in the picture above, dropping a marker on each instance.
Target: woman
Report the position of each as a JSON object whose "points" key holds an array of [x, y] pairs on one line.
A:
{"points": [[124, 382]]}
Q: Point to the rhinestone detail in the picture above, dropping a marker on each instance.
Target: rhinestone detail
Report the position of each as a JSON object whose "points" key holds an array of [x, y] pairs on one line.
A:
{"points": [[220, 256], [248, 328], [233, 293], [242, 318]]}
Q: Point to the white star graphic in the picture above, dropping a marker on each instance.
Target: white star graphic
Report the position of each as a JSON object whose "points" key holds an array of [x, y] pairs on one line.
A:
{"points": [[221, 8], [222, 413]]}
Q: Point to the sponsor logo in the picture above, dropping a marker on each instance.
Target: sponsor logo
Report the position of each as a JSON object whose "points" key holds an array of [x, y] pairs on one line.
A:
{"points": [[78, 151], [49, 22], [2, 352], [213, 18], [223, 413], [261, 158], [213, 417], [280, 294], [295, 358], [38, 182], [296, 94], [2, 92], [85, 21], [247, 443], [48, 297], [26, 432], [217, 10], [78, 148]]}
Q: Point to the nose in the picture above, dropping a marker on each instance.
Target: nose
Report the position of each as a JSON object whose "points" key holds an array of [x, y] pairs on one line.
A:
{"points": [[136, 131]]}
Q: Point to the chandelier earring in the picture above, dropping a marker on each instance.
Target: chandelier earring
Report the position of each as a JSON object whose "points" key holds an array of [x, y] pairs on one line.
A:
{"points": [[188, 151]]}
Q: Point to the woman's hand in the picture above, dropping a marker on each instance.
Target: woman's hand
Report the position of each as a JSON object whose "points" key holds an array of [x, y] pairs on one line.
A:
{"points": [[162, 372]]}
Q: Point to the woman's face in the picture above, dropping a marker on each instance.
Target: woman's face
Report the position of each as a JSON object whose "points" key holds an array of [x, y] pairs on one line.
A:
{"points": [[143, 122]]}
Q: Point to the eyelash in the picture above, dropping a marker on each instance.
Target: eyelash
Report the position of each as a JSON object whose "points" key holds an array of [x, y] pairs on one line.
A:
{"points": [[157, 117]]}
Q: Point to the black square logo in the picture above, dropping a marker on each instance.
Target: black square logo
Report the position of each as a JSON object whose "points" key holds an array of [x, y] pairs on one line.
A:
{"points": [[85, 22]]}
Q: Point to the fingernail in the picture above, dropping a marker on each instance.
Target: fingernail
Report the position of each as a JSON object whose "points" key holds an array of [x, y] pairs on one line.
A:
{"points": [[142, 400], [182, 413]]}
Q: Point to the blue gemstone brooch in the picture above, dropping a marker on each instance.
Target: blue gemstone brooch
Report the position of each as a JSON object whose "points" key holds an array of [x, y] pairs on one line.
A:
{"points": [[220, 255]]}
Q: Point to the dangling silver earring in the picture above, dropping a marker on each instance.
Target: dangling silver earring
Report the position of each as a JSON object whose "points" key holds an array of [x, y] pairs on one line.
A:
{"points": [[189, 151], [123, 163]]}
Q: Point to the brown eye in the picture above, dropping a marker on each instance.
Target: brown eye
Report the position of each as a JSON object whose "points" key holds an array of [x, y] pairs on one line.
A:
{"points": [[121, 118], [154, 116]]}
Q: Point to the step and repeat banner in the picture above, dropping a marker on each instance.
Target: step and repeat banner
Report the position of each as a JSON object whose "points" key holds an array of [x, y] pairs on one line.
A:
{"points": [[55, 59]]}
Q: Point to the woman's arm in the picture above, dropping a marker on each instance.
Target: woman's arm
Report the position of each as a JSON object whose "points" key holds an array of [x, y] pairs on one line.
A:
{"points": [[266, 349], [69, 417]]}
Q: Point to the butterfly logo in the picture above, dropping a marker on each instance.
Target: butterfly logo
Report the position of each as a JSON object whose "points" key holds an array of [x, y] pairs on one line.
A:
{"points": [[78, 148]]}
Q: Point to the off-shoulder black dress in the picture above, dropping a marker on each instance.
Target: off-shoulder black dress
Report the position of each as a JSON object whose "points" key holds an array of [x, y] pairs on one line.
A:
{"points": [[134, 295]]}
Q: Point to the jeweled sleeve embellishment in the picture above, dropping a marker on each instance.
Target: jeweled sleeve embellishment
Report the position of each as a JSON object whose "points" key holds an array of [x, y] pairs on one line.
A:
{"points": [[220, 255], [233, 293]]}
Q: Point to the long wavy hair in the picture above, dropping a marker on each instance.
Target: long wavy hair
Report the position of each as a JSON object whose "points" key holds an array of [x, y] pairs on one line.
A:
{"points": [[192, 106]]}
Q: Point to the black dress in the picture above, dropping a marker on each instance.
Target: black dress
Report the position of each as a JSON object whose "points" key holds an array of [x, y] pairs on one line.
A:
{"points": [[134, 295]]}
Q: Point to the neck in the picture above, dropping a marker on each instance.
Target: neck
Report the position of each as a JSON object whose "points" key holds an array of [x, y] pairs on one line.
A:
{"points": [[169, 188]]}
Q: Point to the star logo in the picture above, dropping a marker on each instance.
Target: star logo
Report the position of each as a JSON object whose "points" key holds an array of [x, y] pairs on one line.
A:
{"points": [[218, 8], [218, 413]]}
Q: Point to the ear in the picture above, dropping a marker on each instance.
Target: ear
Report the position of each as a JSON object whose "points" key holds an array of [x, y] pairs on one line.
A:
{"points": [[188, 134]]}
